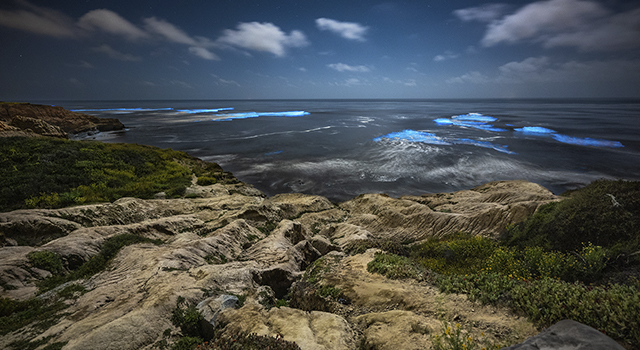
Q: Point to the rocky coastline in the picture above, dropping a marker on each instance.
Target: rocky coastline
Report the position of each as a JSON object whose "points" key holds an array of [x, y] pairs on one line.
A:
{"points": [[234, 253], [25, 119]]}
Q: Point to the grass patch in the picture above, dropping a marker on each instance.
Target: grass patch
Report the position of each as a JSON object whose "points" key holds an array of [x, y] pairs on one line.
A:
{"points": [[52, 173], [459, 253]]}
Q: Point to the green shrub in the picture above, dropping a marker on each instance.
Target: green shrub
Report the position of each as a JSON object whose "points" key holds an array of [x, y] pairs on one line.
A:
{"points": [[206, 180], [329, 291], [457, 338], [186, 317], [46, 260], [614, 310], [186, 343], [396, 267], [605, 213], [460, 253], [240, 340]]}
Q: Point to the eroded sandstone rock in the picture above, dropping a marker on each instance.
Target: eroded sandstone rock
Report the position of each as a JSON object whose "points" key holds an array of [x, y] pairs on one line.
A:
{"points": [[231, 240], [38, 126]]}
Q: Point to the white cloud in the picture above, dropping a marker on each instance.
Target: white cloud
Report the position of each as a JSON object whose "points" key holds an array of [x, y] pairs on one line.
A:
{"points": [[448, 55], [39, 20], [116, 55], [583, 24], [544, 70], [471, 77], [352, 82], [483, 13], [111, 22], [341, 67], [168, 31], [203, 53], [220, 81], [265, 37], [347, 30]]}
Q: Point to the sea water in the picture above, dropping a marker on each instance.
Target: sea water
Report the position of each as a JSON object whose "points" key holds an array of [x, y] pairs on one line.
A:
{"points": [[342, 148]]}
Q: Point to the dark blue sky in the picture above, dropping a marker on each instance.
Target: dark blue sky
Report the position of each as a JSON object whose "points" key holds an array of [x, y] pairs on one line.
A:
{"points": [[235, 49]]}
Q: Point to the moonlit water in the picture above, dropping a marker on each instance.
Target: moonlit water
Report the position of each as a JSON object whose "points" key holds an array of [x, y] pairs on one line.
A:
{"points": [[343, 148]]}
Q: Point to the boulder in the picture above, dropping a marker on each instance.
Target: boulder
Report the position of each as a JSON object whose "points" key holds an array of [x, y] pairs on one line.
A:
{"points": [[568, 335]]}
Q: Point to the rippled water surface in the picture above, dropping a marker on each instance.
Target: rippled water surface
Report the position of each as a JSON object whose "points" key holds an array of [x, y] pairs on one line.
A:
{"points": [[343, 148]]}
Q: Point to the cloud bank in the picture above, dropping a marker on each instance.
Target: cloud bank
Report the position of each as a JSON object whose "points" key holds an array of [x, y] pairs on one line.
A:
{"points": [[265, 37], [582, 24], [112, 23]]}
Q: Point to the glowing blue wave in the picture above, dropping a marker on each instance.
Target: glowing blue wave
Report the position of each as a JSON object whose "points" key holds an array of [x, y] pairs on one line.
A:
{"points": [[587, 141], [413, 136], [212, 110], [535, 130], [232, 116], [471, 120], [121, 109], [475, 117], [580, 141], [430, 138]]}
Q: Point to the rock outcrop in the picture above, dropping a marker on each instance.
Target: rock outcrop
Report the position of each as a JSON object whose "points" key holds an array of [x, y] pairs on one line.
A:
{"points": [[69, 122], [38, 126], [231, 240], [568, 335]]}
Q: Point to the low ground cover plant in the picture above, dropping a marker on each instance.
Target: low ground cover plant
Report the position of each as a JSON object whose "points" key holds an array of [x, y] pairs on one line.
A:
{"points": [[41, 172]]}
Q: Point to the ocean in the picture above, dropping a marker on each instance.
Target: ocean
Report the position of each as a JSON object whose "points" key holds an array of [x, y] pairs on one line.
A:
{"points": [[342, 148]]}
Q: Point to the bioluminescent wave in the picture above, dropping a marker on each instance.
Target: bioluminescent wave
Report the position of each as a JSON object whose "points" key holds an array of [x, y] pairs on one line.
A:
{"points": [[471, 120], [198, 111], [534, 130], [586, 141], [232, 116], [413, 136], [430, 138], [579, 141], [124, 110], [475, 117]]}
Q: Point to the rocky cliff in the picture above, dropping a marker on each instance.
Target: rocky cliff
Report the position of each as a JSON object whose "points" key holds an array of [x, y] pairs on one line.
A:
{"points": [[230, 240], [56, 117]]}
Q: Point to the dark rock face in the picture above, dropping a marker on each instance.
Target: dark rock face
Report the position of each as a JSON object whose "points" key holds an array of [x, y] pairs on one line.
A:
{"points": [[568, 335], [70, 122]]}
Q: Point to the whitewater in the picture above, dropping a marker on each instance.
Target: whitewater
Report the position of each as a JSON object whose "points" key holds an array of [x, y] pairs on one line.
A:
{"points": [[342, 148]]}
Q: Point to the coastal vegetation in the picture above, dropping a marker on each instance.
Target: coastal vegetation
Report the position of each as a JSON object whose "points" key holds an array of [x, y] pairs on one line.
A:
{"points": [[43, 172], [574, 259], [577, 258]]}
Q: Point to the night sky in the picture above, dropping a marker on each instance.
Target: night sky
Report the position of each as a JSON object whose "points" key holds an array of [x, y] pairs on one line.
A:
{"points": [[236, 49]]}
